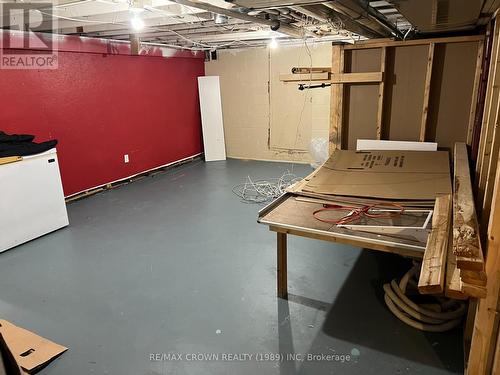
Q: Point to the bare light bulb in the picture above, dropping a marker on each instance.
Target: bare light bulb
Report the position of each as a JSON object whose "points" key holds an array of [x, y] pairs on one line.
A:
{"points": [[273, 44], [137, 23]]}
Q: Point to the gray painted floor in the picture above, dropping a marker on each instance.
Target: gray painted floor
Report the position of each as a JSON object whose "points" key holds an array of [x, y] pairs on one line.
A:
{"points": [[177, 264]]}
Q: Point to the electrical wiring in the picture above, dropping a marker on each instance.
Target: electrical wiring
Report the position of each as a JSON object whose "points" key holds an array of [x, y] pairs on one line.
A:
{"points": [[263, 191], [357, 212]]}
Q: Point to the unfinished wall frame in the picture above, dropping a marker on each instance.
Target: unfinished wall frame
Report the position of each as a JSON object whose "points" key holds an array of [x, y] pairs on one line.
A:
{"points": [[433, 71]]}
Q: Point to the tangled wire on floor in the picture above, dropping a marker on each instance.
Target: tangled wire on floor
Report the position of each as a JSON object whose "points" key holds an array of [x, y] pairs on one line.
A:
{"points": [[263, 191], [441, 315]]}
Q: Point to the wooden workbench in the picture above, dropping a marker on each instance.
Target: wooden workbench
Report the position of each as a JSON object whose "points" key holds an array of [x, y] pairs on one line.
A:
{"points": [[289, 215]]}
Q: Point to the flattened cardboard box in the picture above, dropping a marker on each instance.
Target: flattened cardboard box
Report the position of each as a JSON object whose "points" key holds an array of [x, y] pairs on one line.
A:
{"points": [[384, 174], [30, 351]]}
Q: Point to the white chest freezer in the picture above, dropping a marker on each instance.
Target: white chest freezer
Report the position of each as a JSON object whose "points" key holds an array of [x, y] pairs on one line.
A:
{"points": [[31, 199]]}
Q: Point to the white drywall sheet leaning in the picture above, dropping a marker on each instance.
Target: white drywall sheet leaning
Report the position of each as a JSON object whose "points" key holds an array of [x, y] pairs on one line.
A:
{"points": [[211, 118], [31, 199], [373, 145]]}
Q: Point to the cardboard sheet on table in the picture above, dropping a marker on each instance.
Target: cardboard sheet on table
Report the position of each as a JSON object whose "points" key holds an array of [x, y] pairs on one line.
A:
{"points": [[30, 351], [384, 174]]}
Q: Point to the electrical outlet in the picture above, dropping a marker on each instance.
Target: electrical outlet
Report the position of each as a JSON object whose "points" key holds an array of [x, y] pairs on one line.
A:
{"points": [[126, 158]]}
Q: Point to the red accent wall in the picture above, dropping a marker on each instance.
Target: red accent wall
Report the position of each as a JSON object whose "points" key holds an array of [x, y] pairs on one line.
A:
{"points": [[102, 106]]}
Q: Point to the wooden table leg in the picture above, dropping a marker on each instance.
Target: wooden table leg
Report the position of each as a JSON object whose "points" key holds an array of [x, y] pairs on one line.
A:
{"points": [[282, 272]]}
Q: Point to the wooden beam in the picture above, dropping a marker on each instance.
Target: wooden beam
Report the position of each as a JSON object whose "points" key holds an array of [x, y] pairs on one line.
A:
{"points": [[338, 78], [305, 77], [10, 159], [135, 44], [375, 43], [357, 77], [381, 86], [336, 101], [475, 92], [307, 70], [473, 277], [466, 238], [489, 115], [489, 180], [432, 274], [484, 338], [427, 90], [453, 288]]}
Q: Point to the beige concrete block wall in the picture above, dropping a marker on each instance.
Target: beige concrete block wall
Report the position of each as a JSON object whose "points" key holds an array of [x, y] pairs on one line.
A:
{"points": [[264, 118]]}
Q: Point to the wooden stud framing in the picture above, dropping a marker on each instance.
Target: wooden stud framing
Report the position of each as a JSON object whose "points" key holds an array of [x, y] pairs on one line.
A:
{"points": [[377, 43], [427, 90], [489, 116], [432, 274], [381, 87], [475, 91], [484, 337], [135, 44], [336, 100]]}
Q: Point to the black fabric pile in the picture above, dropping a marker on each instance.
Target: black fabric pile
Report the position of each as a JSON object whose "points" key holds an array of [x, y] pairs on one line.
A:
{"points": [[22, 145]]}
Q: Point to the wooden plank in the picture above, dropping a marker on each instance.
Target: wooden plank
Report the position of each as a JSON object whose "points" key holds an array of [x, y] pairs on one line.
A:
{"points": [[336, 101], [282, 266], [307, 70], [427, 90], [466, 238], [357, 77], [375, 43], [489, 180], [135, 45], [10, 159], [453, 287], [490, 113], [381, 88], [487, 318], [363, 243], [475, 291], [339, 78], [305, 77], [475, 91], [432, 274], [473, 277]]}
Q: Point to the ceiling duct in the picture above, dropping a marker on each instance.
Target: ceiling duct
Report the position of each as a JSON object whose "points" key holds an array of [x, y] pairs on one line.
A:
{"points": [[275, 24]]}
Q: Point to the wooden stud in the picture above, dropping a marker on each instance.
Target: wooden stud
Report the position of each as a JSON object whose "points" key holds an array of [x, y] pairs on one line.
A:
{"points": [[466, 238], [489, 114], [339, 78], [377, 43], [357, 77], [475, 91], [432, 274], [489, 179], [336, 100], [135, 44], [484, 337], [282, 266], [305, 77], [380, 107], [427, 90]]}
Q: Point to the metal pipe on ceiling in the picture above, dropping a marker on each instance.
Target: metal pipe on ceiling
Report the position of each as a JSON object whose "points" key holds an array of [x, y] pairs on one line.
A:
{"points": [[275, 25]]}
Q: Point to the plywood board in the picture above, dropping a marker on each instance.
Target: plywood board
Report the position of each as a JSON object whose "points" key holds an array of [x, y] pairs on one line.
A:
{"points": [[361, 100], [405, 80], [211, 118], [451, 93]]}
